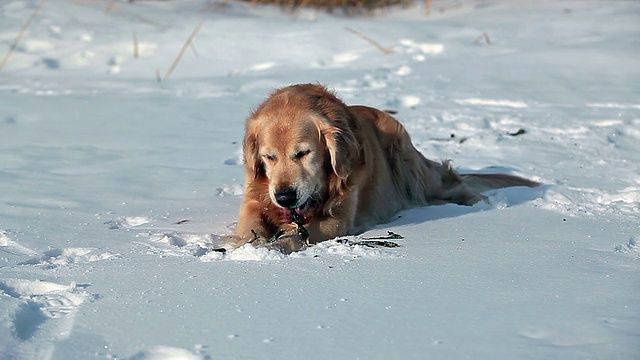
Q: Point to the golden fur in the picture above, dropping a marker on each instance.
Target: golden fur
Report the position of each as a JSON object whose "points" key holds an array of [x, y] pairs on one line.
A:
{"points": [[342, 168]]}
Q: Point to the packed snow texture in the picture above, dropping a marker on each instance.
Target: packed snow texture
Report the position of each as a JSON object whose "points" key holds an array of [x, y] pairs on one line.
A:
{"points": [[118, 190]]}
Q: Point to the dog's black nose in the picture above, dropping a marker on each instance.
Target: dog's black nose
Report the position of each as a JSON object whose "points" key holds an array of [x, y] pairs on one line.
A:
{"points": [[286, 198]]}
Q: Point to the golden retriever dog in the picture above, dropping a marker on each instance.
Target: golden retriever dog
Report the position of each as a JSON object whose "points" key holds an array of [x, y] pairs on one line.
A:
{"points": [[317, 169]]}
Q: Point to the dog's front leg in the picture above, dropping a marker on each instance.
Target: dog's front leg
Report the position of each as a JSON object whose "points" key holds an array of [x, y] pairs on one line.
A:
{"points": [[339, 223], [252, 229], [290, 238], [327, 229], [251, 226]]}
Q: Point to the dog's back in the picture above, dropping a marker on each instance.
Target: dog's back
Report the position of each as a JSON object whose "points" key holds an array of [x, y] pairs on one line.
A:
{"points": [[414, 179]]}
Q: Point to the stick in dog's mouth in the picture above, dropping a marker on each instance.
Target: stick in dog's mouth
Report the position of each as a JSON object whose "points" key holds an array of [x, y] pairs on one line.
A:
{"points": [[298, 219]]}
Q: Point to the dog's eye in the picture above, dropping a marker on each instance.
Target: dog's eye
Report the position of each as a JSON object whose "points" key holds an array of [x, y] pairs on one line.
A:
{"points": [[301, 154], [269, 157]]}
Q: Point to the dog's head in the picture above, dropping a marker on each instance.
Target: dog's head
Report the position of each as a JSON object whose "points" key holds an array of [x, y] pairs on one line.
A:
{"points": [[301, 141]]}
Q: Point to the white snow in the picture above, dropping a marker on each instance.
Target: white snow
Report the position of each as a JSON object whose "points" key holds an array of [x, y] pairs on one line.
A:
{"points": [[118, 191], [489, 102]]}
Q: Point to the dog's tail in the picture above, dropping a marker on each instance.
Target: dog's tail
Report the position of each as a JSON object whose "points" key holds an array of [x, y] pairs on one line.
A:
{"points": [[483, 182]]}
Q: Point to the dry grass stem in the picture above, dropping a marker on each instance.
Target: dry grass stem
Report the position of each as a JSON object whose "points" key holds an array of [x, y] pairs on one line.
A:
{"points": [[136, 47], [486, 38], [109, 6], [21, 33], [297, 10], [384, 50], [194, 50], [182, 51], [482, 39]]}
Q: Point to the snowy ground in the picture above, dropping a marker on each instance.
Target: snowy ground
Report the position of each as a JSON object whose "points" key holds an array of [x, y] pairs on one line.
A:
{"points": [[100, 166]]}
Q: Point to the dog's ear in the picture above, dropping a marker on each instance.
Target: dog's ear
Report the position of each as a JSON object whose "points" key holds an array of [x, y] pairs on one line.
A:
{"points": [[252, 162], [334, 126], [342, 148], [343, 151]]}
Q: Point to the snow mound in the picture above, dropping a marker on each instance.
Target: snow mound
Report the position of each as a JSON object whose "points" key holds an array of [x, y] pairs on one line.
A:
{"points": [[245, 253], [174, 243], [20, 287], [230, 190], [41, 304], [492, 102], [407, 101], [4, 238], [412, 46], [9, 245], [342, 248], [592, 201], [629, 195], [66, 256], [632, 247], [127, 222], [211, 247], [165, 353]]}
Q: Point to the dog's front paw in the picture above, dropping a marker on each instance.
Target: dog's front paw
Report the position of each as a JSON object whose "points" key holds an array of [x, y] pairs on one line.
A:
{"points": [[290, 238], [288, 242], [258, 240]]}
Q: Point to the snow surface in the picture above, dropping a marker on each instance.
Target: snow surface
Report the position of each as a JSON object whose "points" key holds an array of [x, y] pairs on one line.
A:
{"points": [[116, 188]]}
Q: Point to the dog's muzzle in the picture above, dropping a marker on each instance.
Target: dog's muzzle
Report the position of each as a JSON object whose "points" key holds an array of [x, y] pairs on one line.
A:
{"points": [[287, 198]]}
